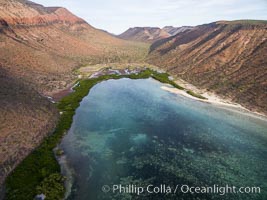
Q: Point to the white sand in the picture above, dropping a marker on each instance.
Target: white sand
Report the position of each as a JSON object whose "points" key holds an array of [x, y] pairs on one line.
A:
{"points": [[210, 98], [181, 92], [214, 99]]}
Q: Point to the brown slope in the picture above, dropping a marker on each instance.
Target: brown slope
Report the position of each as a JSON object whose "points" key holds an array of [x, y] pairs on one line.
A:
{"points": [[144, 34], [175, 30], [26, 118], [226, 57], [28, 13], [43, 45], [39, 49]]}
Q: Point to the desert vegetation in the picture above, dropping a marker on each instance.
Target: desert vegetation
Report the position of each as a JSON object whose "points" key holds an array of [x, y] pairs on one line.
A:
{"points": [[39, 172], [26, 118], [39, 55], [195, 94], [226, 57]]}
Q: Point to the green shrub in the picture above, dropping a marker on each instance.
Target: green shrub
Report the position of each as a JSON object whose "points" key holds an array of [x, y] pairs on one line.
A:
{"points": [[52, 187], [195, 95], [164, 78], [40, 168]]}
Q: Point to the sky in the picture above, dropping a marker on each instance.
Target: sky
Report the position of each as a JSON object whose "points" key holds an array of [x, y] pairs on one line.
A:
{"points": [[116, 16]]}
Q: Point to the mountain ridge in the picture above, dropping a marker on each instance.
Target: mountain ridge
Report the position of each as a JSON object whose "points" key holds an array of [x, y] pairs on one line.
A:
{"points": [[144, 34], [40, 48], [151, 34], [224, 57], [36, 14], [43, 40]]}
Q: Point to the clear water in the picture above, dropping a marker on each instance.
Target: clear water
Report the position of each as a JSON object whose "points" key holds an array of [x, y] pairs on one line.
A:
{"points": [[133, 132]]}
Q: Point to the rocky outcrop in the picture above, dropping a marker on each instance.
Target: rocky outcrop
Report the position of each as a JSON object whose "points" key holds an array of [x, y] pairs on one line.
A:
{"points": [[19, 13], [225, 57], [144, 34], [175, 30], [151, 34]]}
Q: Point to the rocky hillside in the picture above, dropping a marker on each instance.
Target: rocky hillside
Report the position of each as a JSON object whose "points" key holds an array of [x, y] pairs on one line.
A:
{"points": [[226, 57], [151, 34], [40, 48], [26, 118], [175, 30], [144, 34], [44, 45], [29, 13]]}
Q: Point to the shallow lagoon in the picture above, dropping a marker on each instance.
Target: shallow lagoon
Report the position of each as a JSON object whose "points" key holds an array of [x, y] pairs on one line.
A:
{"points": [[133, 132]]}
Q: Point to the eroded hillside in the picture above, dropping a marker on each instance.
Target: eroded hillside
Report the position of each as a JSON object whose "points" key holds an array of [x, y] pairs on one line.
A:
{"points": [[40, 48], [226, 57], [26, 118], [43, 45], [144, 34], [151, 34]]}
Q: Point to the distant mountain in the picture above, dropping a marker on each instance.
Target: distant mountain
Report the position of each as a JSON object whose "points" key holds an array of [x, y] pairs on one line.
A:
{"points": [[228, 57], [40, 47], [144, 34], [175, 30], [151, 34]]}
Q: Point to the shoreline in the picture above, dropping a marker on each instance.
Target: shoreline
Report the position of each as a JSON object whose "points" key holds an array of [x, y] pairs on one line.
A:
{"points": [[211, 99], [211, 96], [112, 69], [215, 100], [67, 107], [66, 171], [43, 157], [218, 100]]}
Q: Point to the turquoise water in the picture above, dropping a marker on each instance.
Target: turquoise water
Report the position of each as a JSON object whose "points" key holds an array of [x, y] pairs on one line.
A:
{"points": [[131, 132]]}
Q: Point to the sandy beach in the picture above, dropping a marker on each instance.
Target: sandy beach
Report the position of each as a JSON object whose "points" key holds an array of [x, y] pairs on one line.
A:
{"points": [[210, 98], [214, 99]]}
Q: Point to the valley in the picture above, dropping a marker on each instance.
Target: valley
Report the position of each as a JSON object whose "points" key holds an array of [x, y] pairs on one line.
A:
{"points": [[45, 52], [40, 50]]}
